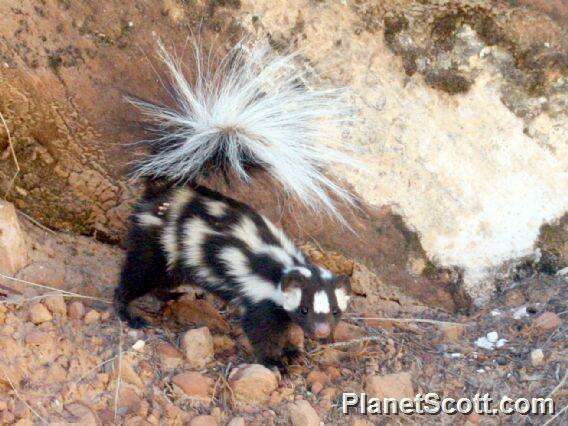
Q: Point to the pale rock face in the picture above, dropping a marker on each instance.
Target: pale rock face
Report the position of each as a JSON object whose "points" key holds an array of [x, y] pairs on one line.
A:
{"points": [[471, 178]]}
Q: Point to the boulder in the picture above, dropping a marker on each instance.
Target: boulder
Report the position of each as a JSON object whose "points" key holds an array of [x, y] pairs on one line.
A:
{"points": [[13, 249]]}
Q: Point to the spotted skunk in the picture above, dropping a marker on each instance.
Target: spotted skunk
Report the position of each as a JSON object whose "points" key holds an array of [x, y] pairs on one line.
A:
{"points": [[252, 111]]}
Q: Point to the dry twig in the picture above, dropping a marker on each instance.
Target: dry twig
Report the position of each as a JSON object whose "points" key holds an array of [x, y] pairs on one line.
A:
{"points": [[119, 373], [13, 152], [64, 293], [418, 320], [23, 400]]}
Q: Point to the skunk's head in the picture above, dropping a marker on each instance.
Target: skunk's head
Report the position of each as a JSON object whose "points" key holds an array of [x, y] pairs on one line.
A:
{"points": [[315, 299]]}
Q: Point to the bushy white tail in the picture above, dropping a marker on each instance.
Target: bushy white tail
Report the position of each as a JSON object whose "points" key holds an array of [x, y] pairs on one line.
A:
{"points": [[251, 109]]}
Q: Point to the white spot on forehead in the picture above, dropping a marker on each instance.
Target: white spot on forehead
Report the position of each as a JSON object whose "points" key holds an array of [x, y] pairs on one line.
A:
{"points": [[302, 270], [321, 303], [148, 219], [325, 274], [342, 298], [216, 208]]}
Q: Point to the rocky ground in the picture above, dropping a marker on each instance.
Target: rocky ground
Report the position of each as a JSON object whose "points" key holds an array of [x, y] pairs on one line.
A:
{"points": [[64, 356]]}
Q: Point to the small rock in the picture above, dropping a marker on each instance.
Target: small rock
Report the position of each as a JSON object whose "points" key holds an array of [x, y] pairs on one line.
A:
{"points": [[482, 342], [56, 304], [547, 321], [138, 346], [170, 356], [36, 337], [316, 388], [217, 413], [13, 249], [303, 414], [237, 421], [252, 384], [333, 372], [92, 317], [345, 332], [520, 313], [317, 377], [198, 347], [204, 421], [358, 421], [398, 385], [194, 385], [492, 336], [82, 414], [76, 310], [198, 312], [514, 297], [330, 356], [39, 314], [129, 399], [453, 333], [537, 357]]}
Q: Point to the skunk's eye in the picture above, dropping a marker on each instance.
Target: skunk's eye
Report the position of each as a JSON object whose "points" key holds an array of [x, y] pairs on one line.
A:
{"points": [[304, 310], [336, 312]]}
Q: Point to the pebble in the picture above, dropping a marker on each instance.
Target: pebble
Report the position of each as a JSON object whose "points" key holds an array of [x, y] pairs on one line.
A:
{"points": [[76, 310], [547, 321], [194, 385], [453, 333], [252, 384], [492, 336], [170, 356], [36, 338], [345, 332], [204, 421], [56, 304], [316, 388], [398, 385], [197, 345], [537, 357], [303, 414], [92, 317], [39, 314], [317, 377], [237, 421]]}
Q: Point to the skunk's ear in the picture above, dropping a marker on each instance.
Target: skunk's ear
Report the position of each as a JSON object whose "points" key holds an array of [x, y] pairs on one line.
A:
{"points": [[291, 280], [343, 282]]}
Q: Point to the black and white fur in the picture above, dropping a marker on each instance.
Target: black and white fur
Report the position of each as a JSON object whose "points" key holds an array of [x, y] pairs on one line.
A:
{"points": [[196, 235], [251, 112]]}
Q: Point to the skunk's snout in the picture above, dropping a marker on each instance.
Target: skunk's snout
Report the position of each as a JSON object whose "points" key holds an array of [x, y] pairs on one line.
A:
{"points": [[322, 330]]}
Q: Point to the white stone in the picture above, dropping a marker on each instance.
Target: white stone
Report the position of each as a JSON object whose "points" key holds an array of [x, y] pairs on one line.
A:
{"points": [[492, 336]]}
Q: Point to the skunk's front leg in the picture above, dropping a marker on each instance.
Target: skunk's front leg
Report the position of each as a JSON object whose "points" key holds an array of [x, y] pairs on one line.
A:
{"points": [[265, 326]]}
